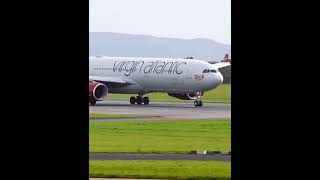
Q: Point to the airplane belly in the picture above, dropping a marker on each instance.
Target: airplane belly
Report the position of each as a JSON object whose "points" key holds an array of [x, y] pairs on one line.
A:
{"points": [[130, 89]]}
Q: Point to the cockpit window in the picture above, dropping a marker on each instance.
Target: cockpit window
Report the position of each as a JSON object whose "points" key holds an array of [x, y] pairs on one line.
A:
{"points": [[209, 71]]}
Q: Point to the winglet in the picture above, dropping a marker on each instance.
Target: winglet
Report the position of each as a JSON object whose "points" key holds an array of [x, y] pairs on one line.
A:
{"points": [[226, 58]]}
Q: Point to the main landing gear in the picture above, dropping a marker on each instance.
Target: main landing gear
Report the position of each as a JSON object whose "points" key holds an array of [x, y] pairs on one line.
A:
{"points": [[139, 100], [92, 101], [198, 101]]}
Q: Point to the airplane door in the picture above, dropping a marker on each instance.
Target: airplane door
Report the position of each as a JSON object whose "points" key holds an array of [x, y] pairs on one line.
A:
{"points": [[188, 78], [190, 82], [178, 80], [188, 73]]}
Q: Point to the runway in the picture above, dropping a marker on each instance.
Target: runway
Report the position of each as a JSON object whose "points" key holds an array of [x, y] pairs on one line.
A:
{"points": [[167, 110], [125, 156]]}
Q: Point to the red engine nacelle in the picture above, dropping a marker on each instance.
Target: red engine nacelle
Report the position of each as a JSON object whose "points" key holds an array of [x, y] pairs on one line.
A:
{"points": [[98, 91], [187, 96]]}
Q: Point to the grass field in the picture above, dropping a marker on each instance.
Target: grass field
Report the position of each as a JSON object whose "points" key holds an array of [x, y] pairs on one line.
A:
{"points": [[221, 94], [160, 136], [116, 116], [161, 169]]}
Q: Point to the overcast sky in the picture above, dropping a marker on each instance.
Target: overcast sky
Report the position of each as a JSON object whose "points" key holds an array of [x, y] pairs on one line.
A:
{"points": [[163, 18]]}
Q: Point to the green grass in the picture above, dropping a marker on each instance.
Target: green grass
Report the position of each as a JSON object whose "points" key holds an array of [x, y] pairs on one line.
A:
{"points": [[161, 169], [116, 116], [221, 94], [160, 136]]}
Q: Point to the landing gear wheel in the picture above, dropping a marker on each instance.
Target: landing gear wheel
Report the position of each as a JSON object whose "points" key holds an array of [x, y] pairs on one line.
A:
{"points": [[200, 104], [132, 100], [146, 100], [92, 101], [196, 103], [139, 100]]}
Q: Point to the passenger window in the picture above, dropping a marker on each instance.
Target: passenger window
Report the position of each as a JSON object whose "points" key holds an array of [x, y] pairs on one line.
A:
{"points": [[214, 71], [204, 71]]}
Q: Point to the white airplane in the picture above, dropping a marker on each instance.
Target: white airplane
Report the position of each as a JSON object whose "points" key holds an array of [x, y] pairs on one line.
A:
{"points": [[185, 79]]}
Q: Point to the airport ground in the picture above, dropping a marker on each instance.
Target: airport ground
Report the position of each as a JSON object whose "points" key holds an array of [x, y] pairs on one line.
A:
{"points": [[161, 169], [154, 141], [171, 139], [166, 136]]}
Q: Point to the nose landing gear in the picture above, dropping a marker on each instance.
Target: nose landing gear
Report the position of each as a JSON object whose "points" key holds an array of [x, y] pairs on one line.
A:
{"points": [[198, 101], [139, 100]]}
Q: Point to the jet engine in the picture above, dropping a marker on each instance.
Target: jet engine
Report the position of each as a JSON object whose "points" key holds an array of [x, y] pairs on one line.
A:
{"points": [[186, 96], [98, 91]]}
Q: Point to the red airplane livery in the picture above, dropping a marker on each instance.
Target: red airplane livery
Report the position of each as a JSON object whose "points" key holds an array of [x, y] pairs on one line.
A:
{"points": [[198, 77]]}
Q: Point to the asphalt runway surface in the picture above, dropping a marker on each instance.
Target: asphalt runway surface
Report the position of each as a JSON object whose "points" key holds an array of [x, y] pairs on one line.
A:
{"points": [[167, 110], [124, 156]]}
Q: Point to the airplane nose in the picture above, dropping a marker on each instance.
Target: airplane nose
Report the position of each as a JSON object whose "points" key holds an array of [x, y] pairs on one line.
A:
{"points": [[220, 77]]}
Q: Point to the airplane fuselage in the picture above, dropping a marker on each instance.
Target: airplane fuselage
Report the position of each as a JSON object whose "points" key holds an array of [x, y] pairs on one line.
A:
{"points": [[145, 75]]}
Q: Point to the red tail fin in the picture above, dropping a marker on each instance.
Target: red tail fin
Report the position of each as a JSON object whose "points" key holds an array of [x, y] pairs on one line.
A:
{"points": [[226, 58]]}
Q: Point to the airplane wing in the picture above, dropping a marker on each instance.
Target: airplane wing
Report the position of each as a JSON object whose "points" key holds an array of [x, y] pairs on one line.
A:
{"points": [[224, 63], [105, 80], [220, 65]]}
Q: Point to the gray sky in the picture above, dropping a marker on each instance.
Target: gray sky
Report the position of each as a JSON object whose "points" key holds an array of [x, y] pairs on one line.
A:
{"points": [[163, 18]]}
